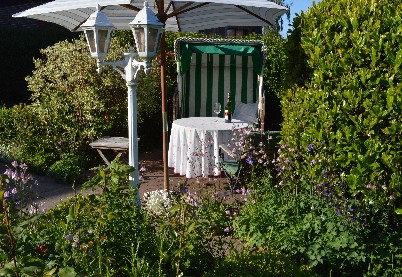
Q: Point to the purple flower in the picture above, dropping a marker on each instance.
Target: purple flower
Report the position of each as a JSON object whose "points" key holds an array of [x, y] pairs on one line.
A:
{"points": [[384, 187], [6, 194], [249, 159], [226, 230], [14, 175], [23, 166], [310, 148], [69, 237], [371, 186], [280, 169], [14, 191], [15, 164], [8, 172], [243, 191]]}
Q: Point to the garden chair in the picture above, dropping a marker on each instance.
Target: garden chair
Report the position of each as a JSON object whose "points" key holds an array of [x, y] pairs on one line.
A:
{"points": [[235, 166], [209, 69]]}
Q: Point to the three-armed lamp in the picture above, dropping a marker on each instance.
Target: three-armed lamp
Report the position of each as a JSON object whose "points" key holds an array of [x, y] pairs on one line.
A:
{"points": [[147, 30]]}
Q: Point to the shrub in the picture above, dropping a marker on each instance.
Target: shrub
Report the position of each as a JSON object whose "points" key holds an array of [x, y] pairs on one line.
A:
{"points": [[310, 228], [69, 168], [344, 125]]}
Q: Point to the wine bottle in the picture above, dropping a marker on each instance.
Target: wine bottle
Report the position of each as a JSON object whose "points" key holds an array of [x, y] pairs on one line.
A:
{"points": [[228, 111]]}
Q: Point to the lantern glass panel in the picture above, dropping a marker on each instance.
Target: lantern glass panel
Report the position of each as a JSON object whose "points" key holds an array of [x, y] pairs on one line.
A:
{"points": [[91, 40], [140, 36], [102, 41], [152, 39]]}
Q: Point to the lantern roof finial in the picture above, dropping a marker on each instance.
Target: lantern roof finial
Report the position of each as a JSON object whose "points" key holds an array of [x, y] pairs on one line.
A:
{"points": [[146, 16], [98, 19]]}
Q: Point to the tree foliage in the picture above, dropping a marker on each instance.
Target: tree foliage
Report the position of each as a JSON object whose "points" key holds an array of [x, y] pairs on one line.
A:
{"points": [[344, 126]]}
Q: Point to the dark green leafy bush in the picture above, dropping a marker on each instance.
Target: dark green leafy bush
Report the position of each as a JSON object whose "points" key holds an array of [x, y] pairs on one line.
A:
{"points": [[345, 124], [309, 228], [69, 168]]}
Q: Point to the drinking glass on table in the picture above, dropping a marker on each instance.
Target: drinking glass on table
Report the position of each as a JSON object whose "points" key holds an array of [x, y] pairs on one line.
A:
{"points": [[217, 108]]}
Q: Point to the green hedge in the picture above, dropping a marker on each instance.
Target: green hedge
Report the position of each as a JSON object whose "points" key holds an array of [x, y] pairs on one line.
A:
{"points": [[345, 125]]}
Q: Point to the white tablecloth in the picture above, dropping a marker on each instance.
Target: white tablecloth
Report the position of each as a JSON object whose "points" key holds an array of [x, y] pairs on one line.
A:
{"points": [[194, 144]]}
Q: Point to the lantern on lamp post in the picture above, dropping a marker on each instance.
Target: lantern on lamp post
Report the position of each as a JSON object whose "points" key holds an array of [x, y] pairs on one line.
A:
{"points": [[98, 30], [147, 30]]}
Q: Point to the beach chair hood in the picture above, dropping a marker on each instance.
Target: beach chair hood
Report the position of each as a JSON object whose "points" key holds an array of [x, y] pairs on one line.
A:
{"points": [[209, 69]]}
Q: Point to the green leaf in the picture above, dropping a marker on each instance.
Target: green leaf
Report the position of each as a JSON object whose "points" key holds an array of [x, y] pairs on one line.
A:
{"points": [[174, 208], [110, 216], [398, 59], [190, 227], [50, 272], [398, 211], [67, 272], [390, 101], [71, 211], [31, 270]]}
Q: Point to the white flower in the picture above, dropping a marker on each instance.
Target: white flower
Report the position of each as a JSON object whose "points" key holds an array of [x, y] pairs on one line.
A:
{"points": [[157, 202]]}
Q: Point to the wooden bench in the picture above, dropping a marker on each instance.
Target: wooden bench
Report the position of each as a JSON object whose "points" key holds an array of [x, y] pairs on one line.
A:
{"points": [[119, 145]]}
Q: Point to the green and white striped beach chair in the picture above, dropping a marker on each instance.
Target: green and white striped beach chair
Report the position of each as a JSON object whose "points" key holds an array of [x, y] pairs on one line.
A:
{"points": [[208, 69]]}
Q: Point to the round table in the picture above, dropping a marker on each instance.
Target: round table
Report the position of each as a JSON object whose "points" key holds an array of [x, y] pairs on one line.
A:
{"points": [[194, 144]]}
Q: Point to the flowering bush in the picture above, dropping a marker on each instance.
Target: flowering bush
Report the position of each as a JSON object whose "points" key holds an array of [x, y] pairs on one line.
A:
{"points": [[19, 190], [18, 209], [255, 150]]}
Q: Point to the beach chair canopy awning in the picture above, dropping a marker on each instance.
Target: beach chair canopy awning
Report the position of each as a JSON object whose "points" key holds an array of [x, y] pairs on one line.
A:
{"points": [[210, 69]]}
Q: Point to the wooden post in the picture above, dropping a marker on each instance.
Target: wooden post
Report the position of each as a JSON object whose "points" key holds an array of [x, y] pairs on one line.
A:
{"points": [[165, 135]]}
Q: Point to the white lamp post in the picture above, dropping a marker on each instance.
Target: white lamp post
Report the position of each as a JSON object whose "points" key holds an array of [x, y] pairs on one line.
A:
{"points": [[147, 30]]}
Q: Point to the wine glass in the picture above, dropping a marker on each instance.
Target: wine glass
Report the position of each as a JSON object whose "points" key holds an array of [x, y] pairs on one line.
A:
{"points": [[217, 108]]}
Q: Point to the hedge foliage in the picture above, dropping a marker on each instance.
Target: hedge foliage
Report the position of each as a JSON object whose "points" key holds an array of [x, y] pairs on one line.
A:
{"points": [[345, 124]]}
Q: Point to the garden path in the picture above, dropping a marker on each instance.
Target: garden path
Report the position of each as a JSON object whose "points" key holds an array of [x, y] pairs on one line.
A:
{"points": [[52, 191]]}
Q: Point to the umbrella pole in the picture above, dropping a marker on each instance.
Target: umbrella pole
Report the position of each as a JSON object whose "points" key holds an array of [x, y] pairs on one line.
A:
{"points": [[164, 114], [162, 17]]}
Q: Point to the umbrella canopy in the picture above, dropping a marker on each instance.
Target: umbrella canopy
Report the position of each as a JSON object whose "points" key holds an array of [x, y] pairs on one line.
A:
{"points": [[181, 15]]}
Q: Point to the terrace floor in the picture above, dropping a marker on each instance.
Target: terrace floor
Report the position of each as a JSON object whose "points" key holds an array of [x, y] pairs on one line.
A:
{"points": [[52, 191]]}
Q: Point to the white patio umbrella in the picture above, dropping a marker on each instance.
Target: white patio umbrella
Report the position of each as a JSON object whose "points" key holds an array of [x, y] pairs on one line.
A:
{"points": [[177, 15]]}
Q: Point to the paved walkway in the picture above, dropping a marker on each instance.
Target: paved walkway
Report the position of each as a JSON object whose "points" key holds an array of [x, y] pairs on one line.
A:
{"points": [[52, 191]]}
